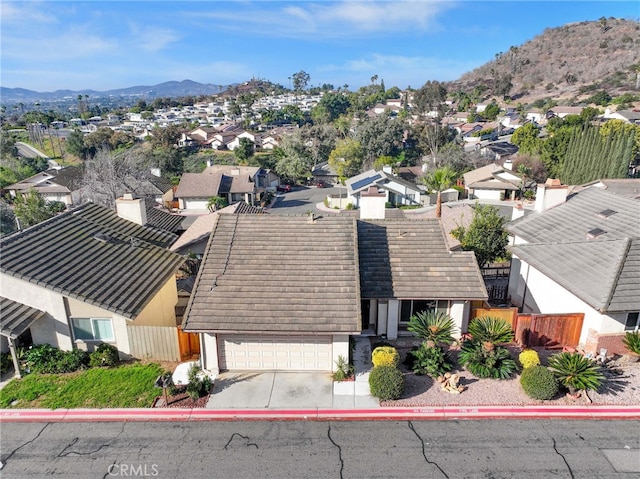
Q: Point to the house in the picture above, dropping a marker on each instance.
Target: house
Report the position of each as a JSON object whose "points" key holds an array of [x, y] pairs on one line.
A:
{"points": [[54, 184], [499, 151], [579, 254], [154, 186], [628, 187], [234, 183], [395, 190], [492, 182], [323, 172], [628, 116], [88, 277], [287, 292]]}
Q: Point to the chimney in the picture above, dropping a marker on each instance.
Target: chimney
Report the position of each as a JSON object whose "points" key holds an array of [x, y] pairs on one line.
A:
{"points": [[508, 165], [209, 163], [517, 212], [388, 169], [132, 209], [551, 193], [372, 203]]}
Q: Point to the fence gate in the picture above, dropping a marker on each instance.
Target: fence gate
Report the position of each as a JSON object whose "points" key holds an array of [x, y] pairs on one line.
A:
{"points": [[189, 344]]}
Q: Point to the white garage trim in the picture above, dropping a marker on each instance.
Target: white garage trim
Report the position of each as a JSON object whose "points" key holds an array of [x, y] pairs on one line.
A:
{"points": [[283, 353]]}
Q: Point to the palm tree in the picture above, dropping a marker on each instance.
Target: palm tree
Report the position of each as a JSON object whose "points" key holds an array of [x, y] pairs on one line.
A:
{"points": [[439, 180]]}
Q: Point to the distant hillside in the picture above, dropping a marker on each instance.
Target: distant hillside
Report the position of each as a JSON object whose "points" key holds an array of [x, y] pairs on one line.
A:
{"points": [[173, 89], [567, 63]]}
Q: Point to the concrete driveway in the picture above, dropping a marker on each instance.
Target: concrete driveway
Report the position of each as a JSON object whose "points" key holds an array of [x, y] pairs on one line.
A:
{"points": [[272, 390]]}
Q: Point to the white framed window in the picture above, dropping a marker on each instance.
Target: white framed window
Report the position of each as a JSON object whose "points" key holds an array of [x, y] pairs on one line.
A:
{"points": [[93, 329], [633, 322], [410, 307]]}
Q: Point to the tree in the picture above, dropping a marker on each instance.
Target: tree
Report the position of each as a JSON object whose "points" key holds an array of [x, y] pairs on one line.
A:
{"points": [[108, 174], [244, 150], [431, 136], [485, 235], [439, 180], [216, 203], [526, 139], [331, 106], [379, 136], [347, 158], [165, 137], [430, 97], [301, 80], [7, 219], [75, 145], [492, 111], [31, 208]]}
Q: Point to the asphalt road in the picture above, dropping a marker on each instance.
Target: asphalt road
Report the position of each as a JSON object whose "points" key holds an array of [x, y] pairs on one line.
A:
{"points": [[351, 449], [301, 200]]}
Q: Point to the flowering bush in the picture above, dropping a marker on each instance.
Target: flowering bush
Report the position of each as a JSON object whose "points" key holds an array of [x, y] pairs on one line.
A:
{"points": [[529, 358], [385, 356]]}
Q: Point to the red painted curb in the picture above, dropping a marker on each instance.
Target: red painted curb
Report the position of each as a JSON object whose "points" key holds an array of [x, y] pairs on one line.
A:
{"points": [[400, 413]]}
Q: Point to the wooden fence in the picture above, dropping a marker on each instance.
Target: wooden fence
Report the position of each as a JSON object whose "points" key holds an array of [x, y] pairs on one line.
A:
{"points": [[154, 342], [547, 330]]}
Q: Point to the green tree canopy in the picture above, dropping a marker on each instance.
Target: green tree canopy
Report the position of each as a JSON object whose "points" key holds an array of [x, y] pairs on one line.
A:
{"points": [[244, 150], [485, 235], [379, 136], [31, 208], [347, 158], [439, 180]]}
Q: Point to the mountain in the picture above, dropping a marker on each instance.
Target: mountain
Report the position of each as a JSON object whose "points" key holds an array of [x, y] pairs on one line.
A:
{"points": [[568, 63], [167, 89]]}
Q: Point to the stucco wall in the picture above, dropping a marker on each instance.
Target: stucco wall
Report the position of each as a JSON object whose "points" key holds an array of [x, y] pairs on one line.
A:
{"points": [[161, 310], [543, 295], [52, 329]]}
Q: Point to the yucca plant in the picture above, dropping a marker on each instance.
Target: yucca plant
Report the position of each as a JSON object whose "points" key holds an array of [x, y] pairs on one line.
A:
{"points": [[631, 341], [575, 372], [485, 360], [435, 326], [491, 330]]}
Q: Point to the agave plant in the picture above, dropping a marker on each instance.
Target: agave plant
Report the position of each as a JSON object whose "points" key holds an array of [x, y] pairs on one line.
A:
{"points": [[575, 372], [491, 330], [434, 326], [631, 341]]}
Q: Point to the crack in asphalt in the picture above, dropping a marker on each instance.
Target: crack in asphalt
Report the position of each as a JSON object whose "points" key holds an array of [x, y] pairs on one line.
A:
{"points": [[246, 438], [339, 451], [73, 441], [5, 459], [424, 454], [109, 468], [563, 458]]}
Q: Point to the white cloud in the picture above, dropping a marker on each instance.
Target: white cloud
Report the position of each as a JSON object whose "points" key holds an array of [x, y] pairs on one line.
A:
{"points": [[151, 39], [25, 13], [343, 19]]}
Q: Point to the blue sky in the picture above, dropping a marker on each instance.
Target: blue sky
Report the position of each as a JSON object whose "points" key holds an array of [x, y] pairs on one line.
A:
{"points": [[102, 45]]}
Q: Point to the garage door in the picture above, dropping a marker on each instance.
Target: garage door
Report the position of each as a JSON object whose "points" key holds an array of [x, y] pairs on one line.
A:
{"points": [[290, 353]]}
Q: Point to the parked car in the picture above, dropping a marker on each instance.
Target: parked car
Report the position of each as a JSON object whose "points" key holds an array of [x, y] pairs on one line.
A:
{"points": [[284, 188], [321, 184]]}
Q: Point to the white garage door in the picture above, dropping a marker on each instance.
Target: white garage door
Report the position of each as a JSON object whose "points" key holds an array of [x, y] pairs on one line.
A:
{"points": [[290, 353]]}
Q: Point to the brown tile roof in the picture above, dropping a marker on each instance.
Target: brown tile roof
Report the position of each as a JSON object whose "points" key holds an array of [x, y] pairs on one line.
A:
{"points": [[16, 317], [409, 259], [199, 185], [93, 255], [278, 274]]}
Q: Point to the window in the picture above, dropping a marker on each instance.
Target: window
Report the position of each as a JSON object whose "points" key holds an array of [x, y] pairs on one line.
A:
{"points": [[410, 307], [93, 329], [632, 322]]}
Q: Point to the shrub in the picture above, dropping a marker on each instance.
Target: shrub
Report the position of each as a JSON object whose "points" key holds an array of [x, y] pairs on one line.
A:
{"points": [[538, 382], [431, 360], [484, 360], [199, 384], [385, 356], [433, 326], [529, 358], [575, 372], [104, 355], [5, 362], [343, 369], [631, 341], [386, 382], [45, 359], [494, 330]]}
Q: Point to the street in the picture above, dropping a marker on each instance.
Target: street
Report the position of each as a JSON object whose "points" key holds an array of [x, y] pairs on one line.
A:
{"points": [[349, 449]]}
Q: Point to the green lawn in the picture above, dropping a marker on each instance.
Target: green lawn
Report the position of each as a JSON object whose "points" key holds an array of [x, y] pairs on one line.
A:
{"points": [[120, 387]]}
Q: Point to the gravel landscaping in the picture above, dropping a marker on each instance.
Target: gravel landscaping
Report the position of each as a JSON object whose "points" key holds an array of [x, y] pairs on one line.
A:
{"points": [[622, 386]]}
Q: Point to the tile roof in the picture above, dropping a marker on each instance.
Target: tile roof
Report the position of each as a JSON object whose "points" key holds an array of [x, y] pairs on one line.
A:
{"points": [[199, 185], [409, 259], [93, 255], [16, 317], [278, 274], [572, 220], [604, 274], [160, 219]]}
